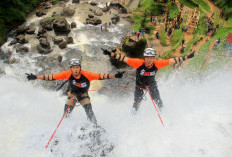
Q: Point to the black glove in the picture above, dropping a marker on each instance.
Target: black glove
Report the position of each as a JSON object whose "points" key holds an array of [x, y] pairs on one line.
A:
{"points": [[191, 55], [31, 76], [106, 52], [119, 74]]}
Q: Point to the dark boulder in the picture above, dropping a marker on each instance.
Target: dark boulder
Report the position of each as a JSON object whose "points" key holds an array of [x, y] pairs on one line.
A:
{"points": [[70, 40], [22, 49], [68, 12], [57, 40], [40, 12], [46, 24], [31, 29], [73, 25], [60, 25], [63, 45], [21, 29], [93, 21], [21, 39], [75, 1]]}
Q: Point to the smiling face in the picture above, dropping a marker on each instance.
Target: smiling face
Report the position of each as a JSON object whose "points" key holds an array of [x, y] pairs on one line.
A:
{"points": [[149, 61], [75, 70]]}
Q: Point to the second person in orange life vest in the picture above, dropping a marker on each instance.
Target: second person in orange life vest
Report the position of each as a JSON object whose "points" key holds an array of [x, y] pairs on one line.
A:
{"points": [[79, 83], [146, 70]]}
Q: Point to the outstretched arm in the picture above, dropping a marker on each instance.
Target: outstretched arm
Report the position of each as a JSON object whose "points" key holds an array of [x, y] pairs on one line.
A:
{"points": [[119, 57], [177, 60], [111, 76], [50, 77]]}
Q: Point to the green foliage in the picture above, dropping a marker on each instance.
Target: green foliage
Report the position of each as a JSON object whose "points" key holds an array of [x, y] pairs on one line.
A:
{"points": [[203, 4], [205, 47], [196, 62], [216, 21], [177, 34], [173, 10], [202, 25], [163, 37], [226, 6], [190, 44], [189, 3], [149, 7], [139, 21]]}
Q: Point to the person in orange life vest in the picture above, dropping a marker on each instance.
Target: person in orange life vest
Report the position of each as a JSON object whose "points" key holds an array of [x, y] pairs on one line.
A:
{"points": [[145, 73], [79, 83]]}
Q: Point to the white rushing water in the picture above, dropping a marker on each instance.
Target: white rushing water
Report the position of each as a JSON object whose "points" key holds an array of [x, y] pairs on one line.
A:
{"points": [[197, 118]]}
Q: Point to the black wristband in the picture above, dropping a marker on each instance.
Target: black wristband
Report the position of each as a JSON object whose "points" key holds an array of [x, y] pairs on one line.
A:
{"points": [[183, 58], [119, 57], [44, 77], [115, 55], [108, 76], [123, 58], [175, 60]]}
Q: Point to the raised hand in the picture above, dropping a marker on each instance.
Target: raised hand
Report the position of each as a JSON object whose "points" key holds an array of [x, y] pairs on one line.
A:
{"points": [[31, 76], [106, 52], [119, 74]]}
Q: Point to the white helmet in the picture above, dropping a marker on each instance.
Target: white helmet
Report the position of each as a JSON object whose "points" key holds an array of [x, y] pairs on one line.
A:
{"points": [[74, 62], [149, 52]]}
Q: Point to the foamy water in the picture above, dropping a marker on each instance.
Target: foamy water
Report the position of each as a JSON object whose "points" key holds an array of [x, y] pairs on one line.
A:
{"points": [[197, 119]]}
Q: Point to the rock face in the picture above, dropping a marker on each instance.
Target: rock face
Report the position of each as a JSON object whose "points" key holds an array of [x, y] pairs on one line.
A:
{"points": [[22, 49], [106, 9], [44, 46], [57, 40], [40, 12], [75, 1], [61, 26], [93, 21], [115, 19], [63, 44], [5, 55], [46, 24], [73, 25], [21, 29], [98, 13], [68, 12], [93, 3], [134, 49], [21, 39], [31, 29], [70, 40]]}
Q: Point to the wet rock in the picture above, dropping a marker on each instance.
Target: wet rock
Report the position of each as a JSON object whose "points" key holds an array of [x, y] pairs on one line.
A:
{"points": [[90, 16], [60, 58], [93, 21], [57, 40], [73, 25], [44, 46], [21, 29], [40, 12], [44, 35], [13, 42], [46, 23], [31, 29], [133, 48], [93, 11], [46, 5], [44, 43], [5, 55], [68, 11], [41, 30], [98, 13], [21, 39], [106, 9], [22, 49], [63, 44], [93, 3], [13, 61], [70, 40], [75, 1], [61, 26], [115, 19]]}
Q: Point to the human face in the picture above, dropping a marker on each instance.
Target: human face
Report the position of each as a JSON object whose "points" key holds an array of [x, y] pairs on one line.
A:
{"points": [[149, 61], [75, 70]]}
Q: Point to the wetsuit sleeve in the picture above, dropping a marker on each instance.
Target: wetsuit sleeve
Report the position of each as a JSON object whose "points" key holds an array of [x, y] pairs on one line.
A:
{"points": [[62, 75], [90, 75], [161, 63], [135, 63]]}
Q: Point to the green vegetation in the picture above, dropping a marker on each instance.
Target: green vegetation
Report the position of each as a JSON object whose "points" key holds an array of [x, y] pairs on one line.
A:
{"points": [[163, 37], [203, 4], [173, 10], [195, 39], [202, 25], [139, 21], [216, 15], [226, 6], [149, 7], [197, 62], [189, 3], [13, 13], [205, 47], [177, 34]]}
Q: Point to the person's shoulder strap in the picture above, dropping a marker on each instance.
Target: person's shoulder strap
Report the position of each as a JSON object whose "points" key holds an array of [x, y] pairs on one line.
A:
{"points": [[62, 75], [161, 63], [135, 62], [90, 75]]}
